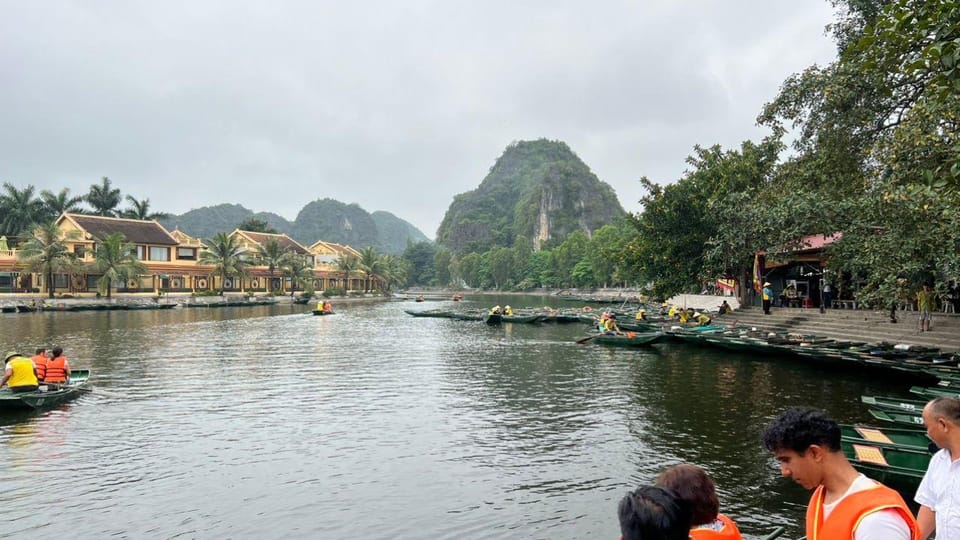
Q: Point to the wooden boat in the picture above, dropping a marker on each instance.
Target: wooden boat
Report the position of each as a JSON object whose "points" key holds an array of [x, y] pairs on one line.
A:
{"points": [[931, 393], [24, 308], [629, 339], [430, 313], [887, 464], [893, 437], [904, 419], [497, 318], [913, 406], [321, 312], [48, 395]]}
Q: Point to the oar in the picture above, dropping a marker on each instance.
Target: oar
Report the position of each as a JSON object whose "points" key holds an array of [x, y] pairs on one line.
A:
{"points": [[581, 341], [775, 534]]}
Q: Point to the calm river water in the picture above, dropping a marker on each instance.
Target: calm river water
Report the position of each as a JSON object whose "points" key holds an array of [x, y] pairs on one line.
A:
{"points": [[271, 423]]}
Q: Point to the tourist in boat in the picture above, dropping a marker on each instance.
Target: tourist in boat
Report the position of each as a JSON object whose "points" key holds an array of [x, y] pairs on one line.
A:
{"points": [[937, 496], [673, 312], [507, 310], [641, 315], [702, 319], [725, 308], [610, 326], [693, 485], [19, 373], [40, 363], [495, 310], [58, 368], [845, 503], [327, 308], [653, 512]]}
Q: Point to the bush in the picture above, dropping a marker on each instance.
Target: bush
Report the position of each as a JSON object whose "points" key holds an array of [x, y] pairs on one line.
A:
{"points": [[206, 293], [334, 291]]}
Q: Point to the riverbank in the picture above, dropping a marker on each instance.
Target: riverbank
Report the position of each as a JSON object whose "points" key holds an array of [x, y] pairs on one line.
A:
{"points": [[28, 302]]}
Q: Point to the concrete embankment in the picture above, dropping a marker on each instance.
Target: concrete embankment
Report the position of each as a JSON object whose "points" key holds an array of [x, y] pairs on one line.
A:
{"points": [[854, 325]]}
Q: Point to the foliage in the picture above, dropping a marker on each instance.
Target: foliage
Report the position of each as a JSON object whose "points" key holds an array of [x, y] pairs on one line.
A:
{"points": [[116, 260], [226, 256], [420, 258], [347, 264], [537, 189], [442, 263], [254, 224], [56, 204], [298, 269], [141, 210], [103, 198], [20, 210], [47, 253], [271, 254]]}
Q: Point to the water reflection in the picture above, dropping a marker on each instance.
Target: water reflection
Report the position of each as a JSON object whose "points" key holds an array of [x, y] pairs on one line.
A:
{"points": [[205, 420]]}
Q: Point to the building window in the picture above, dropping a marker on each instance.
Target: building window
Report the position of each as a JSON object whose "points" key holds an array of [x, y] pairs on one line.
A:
{"points": [[79, 250], [141, 253], [187, 254], [159, 254]]}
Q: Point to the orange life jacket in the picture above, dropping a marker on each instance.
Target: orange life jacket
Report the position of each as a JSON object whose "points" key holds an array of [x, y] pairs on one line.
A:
{"points": [[729, 531], [56, 370], [40, 361], [844, 519]]}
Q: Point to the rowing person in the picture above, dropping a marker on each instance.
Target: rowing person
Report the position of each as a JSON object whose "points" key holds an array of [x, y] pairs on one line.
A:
{"points": [[19, 373]]}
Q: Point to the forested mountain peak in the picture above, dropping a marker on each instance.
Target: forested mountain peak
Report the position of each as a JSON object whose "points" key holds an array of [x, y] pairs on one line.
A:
{"points": [[537, 189]]}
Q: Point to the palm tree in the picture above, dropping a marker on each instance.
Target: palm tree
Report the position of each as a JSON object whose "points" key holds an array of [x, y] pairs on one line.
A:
{"points": [[347, 264], [370, 264], [47, 253], [103, 198], [298, 269], [20, 210], [141, 210], [117, 260], [394, 271], [271, 254], [226, 256], [56, 204]]}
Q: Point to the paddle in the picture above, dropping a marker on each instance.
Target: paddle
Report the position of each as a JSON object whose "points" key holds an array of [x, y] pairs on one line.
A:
{"points": [[581, 341], [775, 534]]}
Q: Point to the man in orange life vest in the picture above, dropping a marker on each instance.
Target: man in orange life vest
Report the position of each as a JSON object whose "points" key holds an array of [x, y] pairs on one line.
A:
{"points": [[40, 363], [845, 503]]}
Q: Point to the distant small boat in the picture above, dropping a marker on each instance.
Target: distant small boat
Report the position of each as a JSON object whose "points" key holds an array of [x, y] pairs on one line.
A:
{"points": [[321, 312], [629, 339]]}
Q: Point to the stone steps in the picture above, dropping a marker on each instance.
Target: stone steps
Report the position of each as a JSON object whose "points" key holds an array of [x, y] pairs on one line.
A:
{"points": [[854, 325]]}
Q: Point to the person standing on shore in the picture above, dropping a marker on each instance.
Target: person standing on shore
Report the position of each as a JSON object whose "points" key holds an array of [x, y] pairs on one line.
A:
{"points": [[926, 303], [767, 297], [845, 503], [939, 492], [827, 296]]}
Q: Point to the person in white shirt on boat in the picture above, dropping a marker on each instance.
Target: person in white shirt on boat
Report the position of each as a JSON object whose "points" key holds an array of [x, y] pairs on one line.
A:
{"points": [[939, 492]]}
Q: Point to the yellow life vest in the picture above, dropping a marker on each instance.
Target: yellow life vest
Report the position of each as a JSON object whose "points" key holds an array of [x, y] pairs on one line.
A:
{"points": [[23, 374]]}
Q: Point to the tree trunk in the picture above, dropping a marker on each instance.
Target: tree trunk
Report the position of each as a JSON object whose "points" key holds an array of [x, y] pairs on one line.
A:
{"points": [[51, 286]]}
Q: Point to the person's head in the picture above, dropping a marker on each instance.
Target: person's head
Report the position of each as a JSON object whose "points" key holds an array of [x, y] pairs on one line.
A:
{"points": [[57, 352], [941, 416], [41, 351], [653, 513], [693, 485], [10, 356], [804, 441]]}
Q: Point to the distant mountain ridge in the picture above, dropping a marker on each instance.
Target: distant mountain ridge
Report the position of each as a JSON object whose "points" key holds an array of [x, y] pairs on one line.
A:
{"points": [[323, 219], [537, 189]]}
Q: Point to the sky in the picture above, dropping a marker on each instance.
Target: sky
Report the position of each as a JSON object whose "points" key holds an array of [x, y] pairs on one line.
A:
{"points": [[395, 106]]}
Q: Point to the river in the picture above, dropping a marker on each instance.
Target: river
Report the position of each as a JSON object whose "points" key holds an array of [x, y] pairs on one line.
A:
{"points": [[267, 422]]}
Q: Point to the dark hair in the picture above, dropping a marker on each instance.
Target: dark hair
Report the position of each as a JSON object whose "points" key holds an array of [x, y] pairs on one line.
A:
{"points": [[653, 513], [57, 351], [40, 350], [797, 429], [693, 485], [947, 407]]}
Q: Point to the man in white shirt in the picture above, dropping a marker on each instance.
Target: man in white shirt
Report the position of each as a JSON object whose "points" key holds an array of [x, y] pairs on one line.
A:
{"points": [[845, 503], [939, 492]]}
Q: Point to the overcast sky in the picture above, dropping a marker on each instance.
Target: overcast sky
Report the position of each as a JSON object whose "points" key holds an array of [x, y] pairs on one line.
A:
{"points": [[396, 106]]}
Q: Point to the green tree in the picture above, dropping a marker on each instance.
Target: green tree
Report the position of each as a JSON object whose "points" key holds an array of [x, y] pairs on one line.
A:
{"points": [[103, 198], [568, 254], [47, 253], [346, 265], [227, 257], [442, 263], [253, 224], [501, 265], [141, 210], [56, 204], [20, 210], [271, 254], [116, 260], [370, 265], [470, 269], [393, 270], [297, 268], [420, 257]]}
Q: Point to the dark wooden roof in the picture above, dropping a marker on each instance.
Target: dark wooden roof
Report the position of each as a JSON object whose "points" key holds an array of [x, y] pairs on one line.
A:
{"points": [[134, 230], [282, 239]]}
